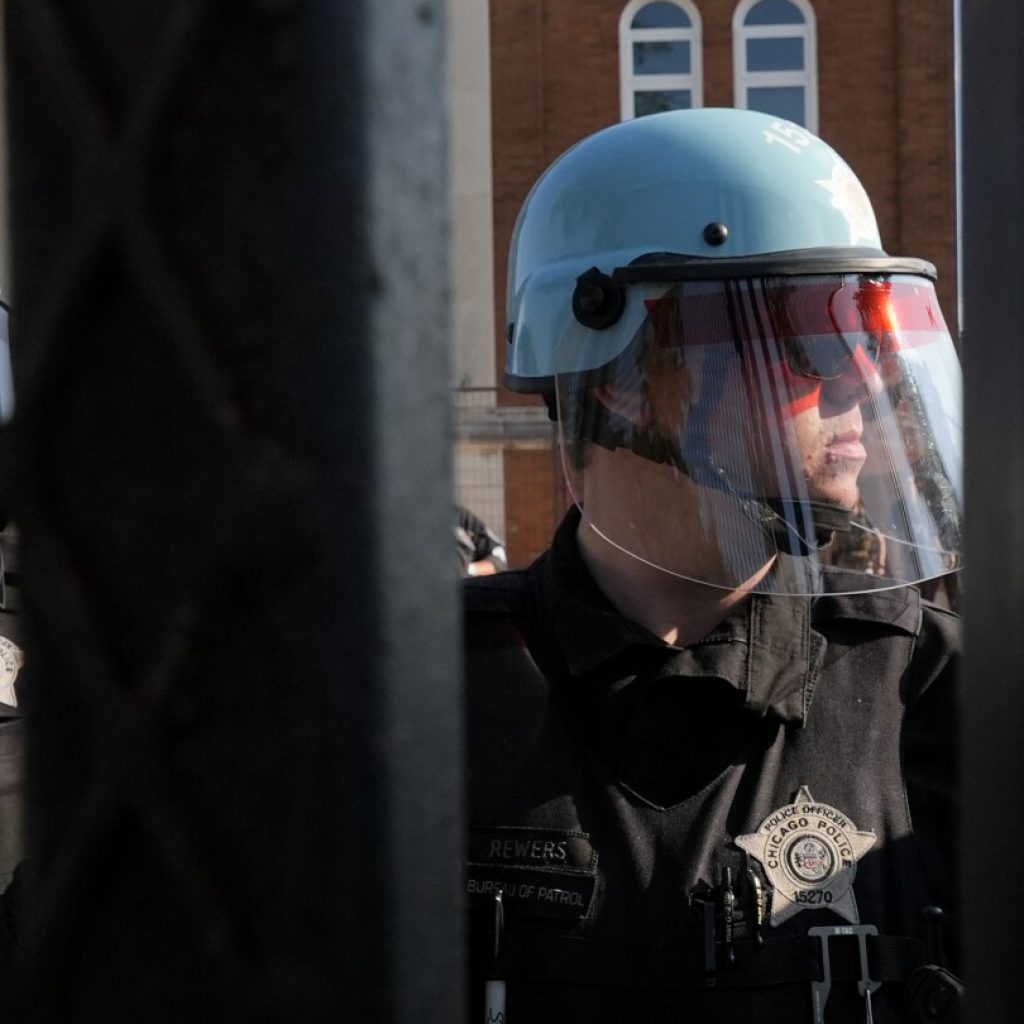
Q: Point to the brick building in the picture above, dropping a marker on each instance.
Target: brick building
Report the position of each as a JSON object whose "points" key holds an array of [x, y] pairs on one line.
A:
{"points": [[874, 79]]}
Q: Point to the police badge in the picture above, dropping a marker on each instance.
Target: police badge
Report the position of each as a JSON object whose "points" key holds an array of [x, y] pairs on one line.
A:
{"points": [[809, 852], [11, 660]]}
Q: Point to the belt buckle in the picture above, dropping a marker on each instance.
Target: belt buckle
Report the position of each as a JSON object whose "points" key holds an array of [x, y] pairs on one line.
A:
{"points": [[865, 986]]}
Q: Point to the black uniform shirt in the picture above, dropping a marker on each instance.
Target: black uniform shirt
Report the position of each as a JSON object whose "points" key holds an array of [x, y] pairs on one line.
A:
{"points": [[654, 760], [666, 719]]}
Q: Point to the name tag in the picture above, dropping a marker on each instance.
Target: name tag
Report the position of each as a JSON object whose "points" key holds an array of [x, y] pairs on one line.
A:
{"points": [[544, 872]]}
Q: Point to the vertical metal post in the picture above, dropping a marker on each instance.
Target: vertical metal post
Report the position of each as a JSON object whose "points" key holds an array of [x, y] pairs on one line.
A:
{"points": [[993, 347], [230, 465]]}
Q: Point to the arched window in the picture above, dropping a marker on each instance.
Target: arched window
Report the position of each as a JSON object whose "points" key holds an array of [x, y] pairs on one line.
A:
{"points": [[775, 59], [659, 57]]}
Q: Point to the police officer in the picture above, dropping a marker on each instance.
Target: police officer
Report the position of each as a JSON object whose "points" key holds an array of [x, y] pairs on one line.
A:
{"points": [[11, 662], [711, 729], [11, 749], [480, 551], [11, 659]]}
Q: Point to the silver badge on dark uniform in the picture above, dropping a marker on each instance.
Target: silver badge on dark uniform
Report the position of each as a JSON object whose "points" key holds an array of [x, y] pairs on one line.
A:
{"points": [[809, 852], [11, 659]]}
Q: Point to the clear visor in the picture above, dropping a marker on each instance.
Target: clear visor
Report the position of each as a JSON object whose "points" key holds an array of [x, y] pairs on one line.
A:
{"points": [[792, 435]]}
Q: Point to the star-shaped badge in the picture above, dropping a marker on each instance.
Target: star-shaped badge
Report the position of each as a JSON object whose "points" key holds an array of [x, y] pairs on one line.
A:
{"points": [[809, 852], [11, 659]]}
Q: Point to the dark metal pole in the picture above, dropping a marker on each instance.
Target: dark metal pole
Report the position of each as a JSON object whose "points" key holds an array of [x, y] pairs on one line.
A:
{"points": [[993, 347], [230, 467]]}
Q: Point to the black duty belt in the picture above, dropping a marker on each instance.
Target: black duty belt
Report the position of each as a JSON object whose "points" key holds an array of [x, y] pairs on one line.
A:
{"points": [[540, 956]]}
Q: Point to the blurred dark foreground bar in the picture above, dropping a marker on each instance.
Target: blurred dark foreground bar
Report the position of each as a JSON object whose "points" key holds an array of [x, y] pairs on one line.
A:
{"points": [[230, 470], [992, 828]]}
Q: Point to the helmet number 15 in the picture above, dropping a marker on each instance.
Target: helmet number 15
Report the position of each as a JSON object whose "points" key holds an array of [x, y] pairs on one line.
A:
{"points": [[786, 135]]}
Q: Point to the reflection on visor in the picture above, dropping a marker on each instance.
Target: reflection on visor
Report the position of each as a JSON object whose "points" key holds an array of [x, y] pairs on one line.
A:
{"points": [[828, 358], [822, 323]]}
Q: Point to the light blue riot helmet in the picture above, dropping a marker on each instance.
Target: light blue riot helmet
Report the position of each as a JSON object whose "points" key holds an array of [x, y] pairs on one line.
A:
{"points": [[750, 391]]}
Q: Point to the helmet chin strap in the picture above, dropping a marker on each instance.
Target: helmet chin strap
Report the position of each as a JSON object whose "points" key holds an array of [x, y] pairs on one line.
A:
{"points": [[826, 521], [776, 517]]}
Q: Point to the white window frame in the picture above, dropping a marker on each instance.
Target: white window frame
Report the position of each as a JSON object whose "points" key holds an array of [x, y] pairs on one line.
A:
{"points": [[630, 84], [807, 79]]}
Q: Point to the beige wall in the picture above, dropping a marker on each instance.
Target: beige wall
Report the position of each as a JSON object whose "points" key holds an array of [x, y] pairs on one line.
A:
{"points": [[479, 468], [469, 99], [5, 267], [6, 385]]}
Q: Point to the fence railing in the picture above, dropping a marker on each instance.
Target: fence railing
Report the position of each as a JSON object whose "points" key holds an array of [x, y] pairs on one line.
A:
{"points": [[506, 469]]}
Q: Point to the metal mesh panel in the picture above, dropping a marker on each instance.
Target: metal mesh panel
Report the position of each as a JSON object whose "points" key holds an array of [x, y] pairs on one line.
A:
{"points": [[507, 470]]}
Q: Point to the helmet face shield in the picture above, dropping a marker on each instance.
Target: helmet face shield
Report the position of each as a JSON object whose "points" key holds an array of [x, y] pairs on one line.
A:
{"points": [[793, 434]]}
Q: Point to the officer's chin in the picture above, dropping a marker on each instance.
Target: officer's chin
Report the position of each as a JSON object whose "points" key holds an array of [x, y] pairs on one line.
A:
{"points": [[839, 494]]}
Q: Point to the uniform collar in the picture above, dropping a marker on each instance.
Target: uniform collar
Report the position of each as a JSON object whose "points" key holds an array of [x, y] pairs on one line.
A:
{"points": [[770, 648], [587, 627]]}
